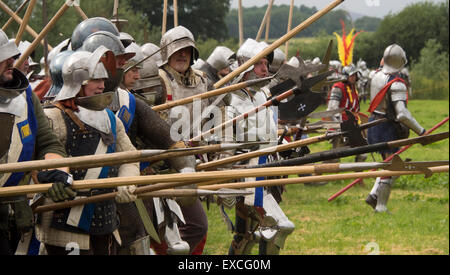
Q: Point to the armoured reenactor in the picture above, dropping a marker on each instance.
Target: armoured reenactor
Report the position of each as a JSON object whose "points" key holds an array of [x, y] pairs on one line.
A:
{"points": [[85, 127], [132, 67], [25, 135], [178, 81], [148, 87], [389, 97], [146, 130], [344, 95], [218, 65], [251, 227], [363, 81]]}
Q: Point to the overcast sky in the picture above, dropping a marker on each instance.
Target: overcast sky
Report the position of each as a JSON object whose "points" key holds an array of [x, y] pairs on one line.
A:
{"points": [[376, 8]]}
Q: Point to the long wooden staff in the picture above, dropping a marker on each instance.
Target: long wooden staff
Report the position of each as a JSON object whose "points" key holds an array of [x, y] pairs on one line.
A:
{"points": [[266, 38], [321, 178], [19, 21], [162, 189], [42, 34], [209, 94], [11, 19], [80, 12], [340, 192], [163, 181], [291, 11], [264, 20], [175, 13], [277, 148], [25, 19], [241, 27], [117, 158], [277, 43], [164, 18]]}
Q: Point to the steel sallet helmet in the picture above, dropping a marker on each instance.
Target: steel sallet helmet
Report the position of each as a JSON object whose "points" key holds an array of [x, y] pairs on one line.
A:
{"points": [[55, 69], [89, 26], [8, 48], [394, 59], [149, 72], [278, 59], [174, 40], [82, 66], [136, 49], [350, 70], [221, 58]]}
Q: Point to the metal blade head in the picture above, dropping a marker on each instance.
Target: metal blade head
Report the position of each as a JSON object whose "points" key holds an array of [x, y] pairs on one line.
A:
{"points": [[300, 106], [352, 132], [326, 114]]}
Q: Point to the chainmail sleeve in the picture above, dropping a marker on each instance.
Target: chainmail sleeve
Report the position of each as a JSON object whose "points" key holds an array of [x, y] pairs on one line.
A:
{"points": [[152, 129]]}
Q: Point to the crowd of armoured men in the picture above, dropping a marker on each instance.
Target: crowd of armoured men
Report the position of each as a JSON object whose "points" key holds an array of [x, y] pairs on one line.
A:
{"points": [[100, 57]]}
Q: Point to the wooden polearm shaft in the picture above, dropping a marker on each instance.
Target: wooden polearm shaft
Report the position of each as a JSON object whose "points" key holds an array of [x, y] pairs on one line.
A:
{"points": [[11, 19], [277, 43], [4, 7], [114, 158], [245, 115], [321, 178], [264, 20], [346, 152], [81, 12], [340, 192], [278, 148], [25, 19], [266, 34], [164, 18], [42, 34], [291, 12], [161, 181], [241, 27], [208, 94], [175, 13]]}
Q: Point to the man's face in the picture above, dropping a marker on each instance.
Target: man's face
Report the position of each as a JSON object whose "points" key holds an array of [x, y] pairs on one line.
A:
{"points": [[131, 77], [261, 68], [6, 70], [353, 78], [93, 87], [25, 67], [224, 72], [181, 59]]}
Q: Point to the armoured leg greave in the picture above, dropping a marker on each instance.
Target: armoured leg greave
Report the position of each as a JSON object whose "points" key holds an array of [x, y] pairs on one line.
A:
{"points": [[246, 236], [372, 197], [275, 227], [175, 245], [383, 192]]}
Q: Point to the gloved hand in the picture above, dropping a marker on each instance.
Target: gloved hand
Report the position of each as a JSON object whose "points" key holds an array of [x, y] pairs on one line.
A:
{"points": [[61, 188], [126, 194]]}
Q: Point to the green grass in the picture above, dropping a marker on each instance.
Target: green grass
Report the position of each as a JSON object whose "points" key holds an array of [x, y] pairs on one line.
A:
{"points": [[419, 219]]}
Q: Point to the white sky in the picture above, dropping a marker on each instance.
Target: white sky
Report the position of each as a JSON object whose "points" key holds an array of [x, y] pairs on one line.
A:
{"points": [[375, 8]]}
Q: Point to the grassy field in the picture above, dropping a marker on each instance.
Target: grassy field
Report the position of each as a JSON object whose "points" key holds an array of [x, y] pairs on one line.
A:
{"points": [[418, 223]]}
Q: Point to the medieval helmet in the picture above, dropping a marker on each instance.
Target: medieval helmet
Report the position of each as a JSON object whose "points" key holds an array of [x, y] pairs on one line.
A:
{"points": [[89, 26], [107, 39], [136, 49], [55, 69], [251, 48], [126, 39], [278, 59], [221, 58], [8, 48], [394, 59], [174, 40], [149, 71], [350, 70], [79, 67]]}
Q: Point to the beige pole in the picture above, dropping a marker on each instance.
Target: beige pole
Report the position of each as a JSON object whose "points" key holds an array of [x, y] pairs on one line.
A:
{"points": [[26, 17], [19, 20], [291, 11], [41, 35]]}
